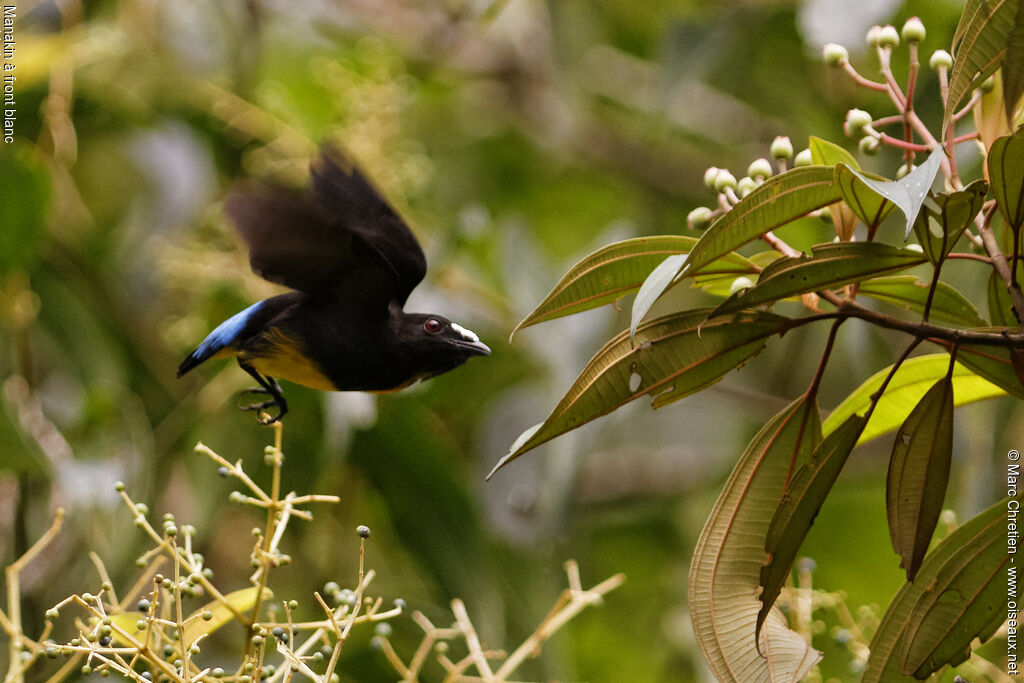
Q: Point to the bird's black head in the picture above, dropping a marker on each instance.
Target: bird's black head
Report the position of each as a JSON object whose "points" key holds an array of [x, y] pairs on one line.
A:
{"points": [[436, 344]]}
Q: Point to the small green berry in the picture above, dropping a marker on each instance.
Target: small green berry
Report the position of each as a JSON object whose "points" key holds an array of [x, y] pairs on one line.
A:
{"points": [[293, 604], [709, 177], [383, 629], [988, 84], [869, 145], [835, 55], [725, 180], [86, 670], [236, 497], [257, 640], [781, 148], [207, 615], [223, 471], [857, 121], [331, 587], [760, 169], [941, 59], [699, 218], [399, 603], [888, 37], [740, 283], [217, 672], [873, 35], [140, 562], [119, 486], [142, 509], [804, 158], [913, 30], [363, 531], [745, 186], [140, 625], [52, 613]]}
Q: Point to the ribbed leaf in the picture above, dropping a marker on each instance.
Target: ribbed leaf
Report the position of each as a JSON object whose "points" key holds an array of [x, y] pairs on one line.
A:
{"points": [[979, 46], [674, 355], [726, 567], [907, 291], [800, 505], [829, 265], [939, 228], [825, 153], [618, 269], [906, 389], [959, 595], [919, 474], [777, 201], [1013, 64], [909, 192], [1006, 172]]}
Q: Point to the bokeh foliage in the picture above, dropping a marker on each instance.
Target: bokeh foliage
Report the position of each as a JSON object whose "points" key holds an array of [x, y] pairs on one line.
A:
{"points": [[515, 138]]}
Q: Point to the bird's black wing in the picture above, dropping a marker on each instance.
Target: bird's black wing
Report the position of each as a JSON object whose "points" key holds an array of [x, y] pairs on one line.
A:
{"points": [[338, 233]]}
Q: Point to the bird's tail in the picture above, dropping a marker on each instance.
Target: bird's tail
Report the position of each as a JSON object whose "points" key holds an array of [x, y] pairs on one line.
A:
{"points": [[222, 340], [193, 359]]}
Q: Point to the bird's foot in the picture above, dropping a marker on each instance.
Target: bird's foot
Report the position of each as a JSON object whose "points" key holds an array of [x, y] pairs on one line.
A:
{"points": [[266, 418]]}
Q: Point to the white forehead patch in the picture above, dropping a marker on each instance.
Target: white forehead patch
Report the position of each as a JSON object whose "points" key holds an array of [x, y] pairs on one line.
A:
{"points": [[467, 334]]}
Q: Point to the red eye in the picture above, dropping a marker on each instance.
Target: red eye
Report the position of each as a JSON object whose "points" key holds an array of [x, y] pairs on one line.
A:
{"points": [[432, 326]]}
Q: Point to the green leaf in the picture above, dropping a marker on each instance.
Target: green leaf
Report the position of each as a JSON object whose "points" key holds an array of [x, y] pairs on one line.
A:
{"points": [[994, 364], [979, 46], [829, 265], [910, 293], [939, 228], [777, 201], [1006, 171], [618, 269], [1013, 64], [800, 505], [865, 202], [1000, 306], [919, 474], [727, 563], [906, 389], [674, 356], [909, 192], [825, 153], [959, 595]]}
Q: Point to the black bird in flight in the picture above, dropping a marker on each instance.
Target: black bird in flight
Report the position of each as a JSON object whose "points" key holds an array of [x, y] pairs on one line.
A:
{"points": [[351, 262]]}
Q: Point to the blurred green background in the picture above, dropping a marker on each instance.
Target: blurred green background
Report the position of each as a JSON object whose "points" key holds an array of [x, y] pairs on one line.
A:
{"points": [[515, 137]]}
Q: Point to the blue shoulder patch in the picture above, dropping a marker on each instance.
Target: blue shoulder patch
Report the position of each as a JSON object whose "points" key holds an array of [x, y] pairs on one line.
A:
{"points": [[223, 336]]}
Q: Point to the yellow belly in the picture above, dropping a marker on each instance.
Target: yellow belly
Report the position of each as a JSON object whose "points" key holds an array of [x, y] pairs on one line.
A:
{"points": [[284, 361]]}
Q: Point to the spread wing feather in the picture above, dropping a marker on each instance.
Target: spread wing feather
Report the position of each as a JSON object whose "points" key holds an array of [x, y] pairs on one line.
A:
{"points": [[337, 233]]}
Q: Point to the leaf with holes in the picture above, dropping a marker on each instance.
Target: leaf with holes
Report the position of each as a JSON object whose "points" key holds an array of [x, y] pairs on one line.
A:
{"points": [[959, 595], [726, 570], [907, 193], [939, 228], [829, 265], [674, 356], [908, 386], [910, 293], [919, 474], [777, 201], [979, 48], [800, 505]]}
